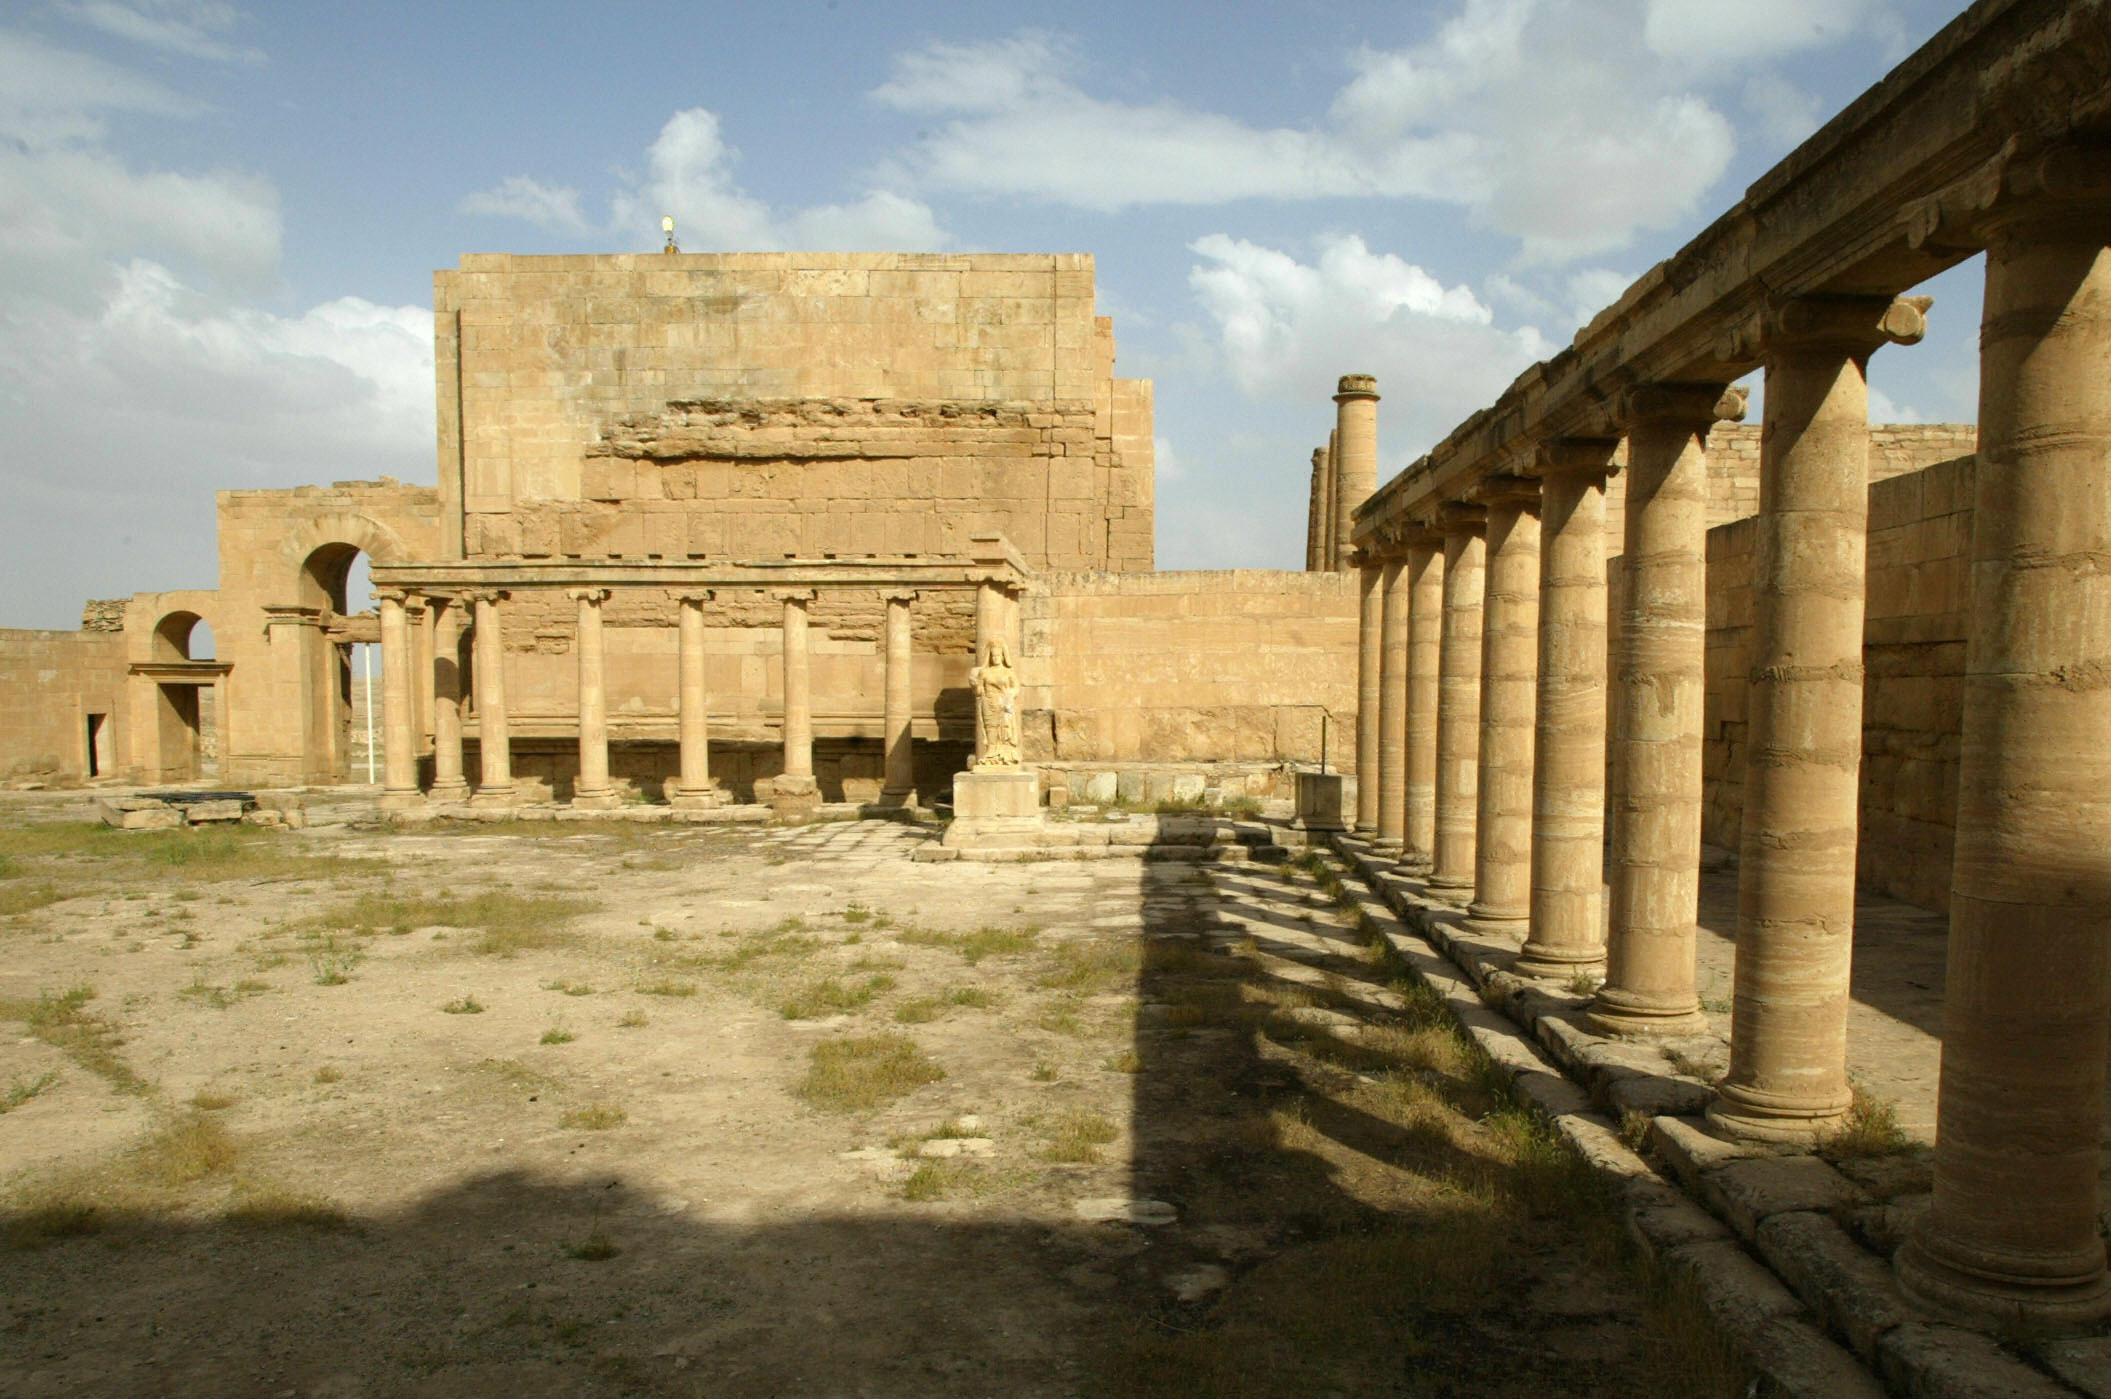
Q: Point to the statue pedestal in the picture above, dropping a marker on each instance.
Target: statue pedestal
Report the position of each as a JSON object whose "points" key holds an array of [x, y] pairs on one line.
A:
{"points": [[994, 808], [789, 798], [1322, 797]]}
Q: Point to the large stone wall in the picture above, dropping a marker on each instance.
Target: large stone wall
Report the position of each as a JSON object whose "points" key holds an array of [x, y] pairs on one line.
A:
{"points": [[772, 403], [50, 682], [1190, 667], [1920, 525]]}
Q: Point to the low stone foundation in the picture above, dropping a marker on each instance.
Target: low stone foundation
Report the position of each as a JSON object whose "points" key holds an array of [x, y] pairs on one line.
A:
{"points": [[1131, 837]]}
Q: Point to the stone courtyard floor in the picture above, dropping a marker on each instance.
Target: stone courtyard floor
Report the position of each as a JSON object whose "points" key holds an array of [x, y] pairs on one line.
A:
{"points": [[613, 1109]]}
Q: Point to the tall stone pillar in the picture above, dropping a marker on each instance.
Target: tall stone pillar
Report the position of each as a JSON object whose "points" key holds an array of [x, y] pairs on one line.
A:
{"points": [[1370, 650], [798, 688], [1656, 819], [898, 786], [448, 784], [1392, 704], [1802, 790], [1317, 522], [494, 741], [1568, 756], [2013, 1232], [1337, 544], [1502, 848], [692, 700], [1459, 700], [1355, 454], [420, 616], [592, 791], [399, 706], [1425, 636]]}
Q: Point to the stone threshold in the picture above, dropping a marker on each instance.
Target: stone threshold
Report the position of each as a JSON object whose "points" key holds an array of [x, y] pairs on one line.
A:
{"points": [[1776, 1242]]}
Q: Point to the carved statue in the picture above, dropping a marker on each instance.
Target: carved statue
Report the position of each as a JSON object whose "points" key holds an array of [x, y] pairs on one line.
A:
{"points": [[996, 687]]}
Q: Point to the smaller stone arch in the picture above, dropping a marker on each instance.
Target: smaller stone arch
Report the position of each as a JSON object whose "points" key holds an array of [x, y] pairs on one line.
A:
{"points": [[171, 637], [318, 548]]}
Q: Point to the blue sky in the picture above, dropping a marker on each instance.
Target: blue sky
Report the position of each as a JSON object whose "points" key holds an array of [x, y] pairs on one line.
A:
{"points": [[218, 224]]}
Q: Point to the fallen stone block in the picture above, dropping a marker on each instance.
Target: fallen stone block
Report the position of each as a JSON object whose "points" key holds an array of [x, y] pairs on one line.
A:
{"points": [[206, 813]]}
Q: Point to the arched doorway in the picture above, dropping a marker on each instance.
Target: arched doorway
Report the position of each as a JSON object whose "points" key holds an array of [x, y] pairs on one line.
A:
{"points": [[344, 664], [186, 677]]}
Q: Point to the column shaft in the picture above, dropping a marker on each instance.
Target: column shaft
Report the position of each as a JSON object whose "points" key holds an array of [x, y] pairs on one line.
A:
{"points": [[1392, 704], [448, 784], [493, 739], [900, 753], [692, 703], [1317, 522], [399, 713], [592, 789], [1335, 544], [1568, 760], [1355, 454], [1459, 702], [798, 695], [1425, 637], [1656, 817], [1502, 850], [1370, 647], [2013, 1231]]}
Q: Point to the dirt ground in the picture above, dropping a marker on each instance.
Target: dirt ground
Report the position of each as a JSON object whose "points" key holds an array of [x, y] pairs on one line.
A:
{"points": [[617, 1109]]}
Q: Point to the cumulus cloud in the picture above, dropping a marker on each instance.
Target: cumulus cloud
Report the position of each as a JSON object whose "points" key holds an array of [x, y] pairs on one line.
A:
{"points": [[141, 364], [1289, 329], [1570, 158], [1740, 34], [689, 174]]}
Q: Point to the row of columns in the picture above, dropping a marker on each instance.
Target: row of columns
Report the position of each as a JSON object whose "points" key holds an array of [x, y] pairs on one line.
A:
{"points": [[1520, 740], [594, 789], [1344, 473]]}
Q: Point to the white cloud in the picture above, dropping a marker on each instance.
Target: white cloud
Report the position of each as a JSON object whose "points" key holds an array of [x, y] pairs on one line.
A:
{"points": [[689, 175], [1570, 157], [1288, 330], [174, 26], [1741, 34], [1166, 462], [1786, 114]]}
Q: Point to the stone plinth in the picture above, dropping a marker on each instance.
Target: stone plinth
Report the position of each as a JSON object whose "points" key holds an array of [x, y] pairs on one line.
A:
{"points": [[1000, 808], [789, 796], [1322, 798]]}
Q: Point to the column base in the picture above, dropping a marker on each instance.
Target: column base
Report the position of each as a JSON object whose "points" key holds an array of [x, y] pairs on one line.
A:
{"points": [[695, 798], [451, 792], [507, 795], [1385, 845], [402, 800], [1735, 1116], [1449, 887], [789, 796], [595, 801], [1482, 919], [1619, 1015], [1976, 1290], [1559, 963]]}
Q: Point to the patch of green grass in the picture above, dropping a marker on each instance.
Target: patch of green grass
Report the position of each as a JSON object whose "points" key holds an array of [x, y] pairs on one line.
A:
{"points": [[1128, 1061], [569, 988], [464, 1005], [1075, 1136], [23, 1089], [828, 996], [508, 923], [206, 1100], [1045, 1072], [921, 1010], [856, 913], [329, 1073], [986, 941], [222, 997], [666, 988], [633, 1020], [939, 1180], [851, 1075], [332, 963], [1092, 967], [187, 1150], [595, 1117], [1869, 1129], [557, 1034], [62, 1021], [27, 898]]}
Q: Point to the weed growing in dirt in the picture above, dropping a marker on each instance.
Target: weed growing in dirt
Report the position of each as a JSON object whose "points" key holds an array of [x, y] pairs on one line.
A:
{"points": [[557, 1034], [23, 1089], [569, 988], [1091, 967], [222, 997], [464, 1005], [595, 1117], [205, 1100], [666, 988], [829, 996], [633, 1020], [1075, 1136], [509, 923], [939, 1180], [1870, 1128], [850, 1075], [986, 941], [1128, 1061], [329, 1074], [332, 963], [62, 1021]]}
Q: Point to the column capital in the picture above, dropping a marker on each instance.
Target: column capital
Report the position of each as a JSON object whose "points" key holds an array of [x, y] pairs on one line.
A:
{"points": [[396, 596], [491, 595], [597, 596], [1458, 517], [1852, 326], [1576, 456], [801, 596], [1356, 386], [696, 597], [898, 594], [1505, 490], [1319, 458], [1698, 406], [1365, 559], [2067, 186]]}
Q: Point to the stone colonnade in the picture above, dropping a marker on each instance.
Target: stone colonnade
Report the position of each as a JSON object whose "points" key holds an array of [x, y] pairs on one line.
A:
{"points": [[996, 582], [1520, 800]]}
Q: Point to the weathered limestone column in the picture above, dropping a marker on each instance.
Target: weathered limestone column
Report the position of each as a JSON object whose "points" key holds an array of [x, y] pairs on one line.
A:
{"points": [[2013, 1232], [1337, 544], [1502, 848], [798, 686], [1355, 454], [1802, 792], [493, 740], [899, 784], [1317, 520], [1370, 650], [1656, 818], [592, 790], [1392, 704], [420, 616], [692, 699], [399, 706], [448, 784], [1459, 700], [1568, 756], [1425, 637]]}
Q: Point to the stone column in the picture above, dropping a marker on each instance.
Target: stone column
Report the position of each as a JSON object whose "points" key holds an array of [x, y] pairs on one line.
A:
{"points": [[592, 791], [448, 784], [1355, 454], [1568, 756], [1317, 525], [2013, 1232], [1392, 704], [1802, 789], [1425, 633], [798, 689], [1502, 848], [1369, 659], [1656, 818], [494, 742], [420, 617], [899, 784], [1458, 701], [399, 705], [693, 788], [1336, 545]]}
